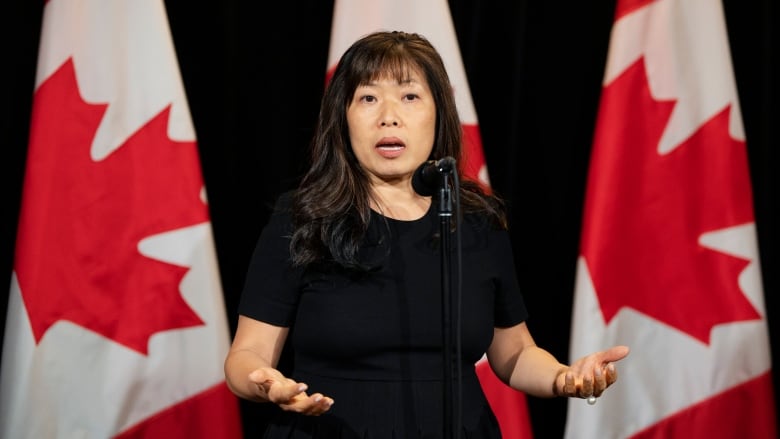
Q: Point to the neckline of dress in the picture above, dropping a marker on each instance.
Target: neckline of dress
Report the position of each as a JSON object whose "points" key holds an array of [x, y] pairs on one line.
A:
{"points": [[403, 221]]}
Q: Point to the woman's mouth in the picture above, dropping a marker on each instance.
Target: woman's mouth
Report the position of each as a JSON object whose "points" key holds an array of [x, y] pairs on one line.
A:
{"points": [[390, 147]]}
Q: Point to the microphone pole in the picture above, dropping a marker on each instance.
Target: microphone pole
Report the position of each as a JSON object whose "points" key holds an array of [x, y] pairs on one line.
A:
{"points": [[430, 178], [445, 220]]}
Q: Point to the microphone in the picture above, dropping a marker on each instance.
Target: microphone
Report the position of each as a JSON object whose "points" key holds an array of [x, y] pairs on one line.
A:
{"points": [[429, 177]]}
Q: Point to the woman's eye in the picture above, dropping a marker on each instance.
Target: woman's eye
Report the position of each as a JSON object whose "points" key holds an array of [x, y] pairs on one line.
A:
{"points": [[410, 97], [368, 98]]}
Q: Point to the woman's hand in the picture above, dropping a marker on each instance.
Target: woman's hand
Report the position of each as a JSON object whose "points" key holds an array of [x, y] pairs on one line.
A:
{"points": [[590, 375], [288, 394]]}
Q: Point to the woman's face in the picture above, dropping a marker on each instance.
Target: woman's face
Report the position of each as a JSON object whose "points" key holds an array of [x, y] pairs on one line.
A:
{"points": [[392, 127]]}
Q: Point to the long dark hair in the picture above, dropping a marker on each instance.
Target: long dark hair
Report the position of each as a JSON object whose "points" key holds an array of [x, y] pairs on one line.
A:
{"points": [[331, 207]]}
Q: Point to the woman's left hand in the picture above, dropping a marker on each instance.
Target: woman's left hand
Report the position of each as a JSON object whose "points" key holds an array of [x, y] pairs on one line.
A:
{"points": [[590, 375]]}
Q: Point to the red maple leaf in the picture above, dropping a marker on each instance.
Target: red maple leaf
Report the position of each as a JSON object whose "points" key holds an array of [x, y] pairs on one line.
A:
{"points": [[77, 255], [645, 212], [625, 7]]}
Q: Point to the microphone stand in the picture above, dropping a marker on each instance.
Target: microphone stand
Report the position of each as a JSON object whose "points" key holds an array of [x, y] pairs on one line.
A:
{"points": [[445, 219]]}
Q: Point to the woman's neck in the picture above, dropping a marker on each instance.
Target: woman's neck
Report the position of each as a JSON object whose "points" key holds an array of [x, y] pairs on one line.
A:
{"points": [[399, 202]]}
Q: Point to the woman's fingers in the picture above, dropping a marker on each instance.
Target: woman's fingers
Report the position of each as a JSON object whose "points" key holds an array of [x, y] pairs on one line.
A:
{"points": [[592, 374], [600, 378], [615, 353], [292, 397], [289, 394], [570, 387], [318, 404], [287, 391], [313, 405], [586, 389], [611, 374], [587, 382]]}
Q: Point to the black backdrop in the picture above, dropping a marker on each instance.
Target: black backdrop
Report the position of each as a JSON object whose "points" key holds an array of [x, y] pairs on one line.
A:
{"points": [[254, 72]]}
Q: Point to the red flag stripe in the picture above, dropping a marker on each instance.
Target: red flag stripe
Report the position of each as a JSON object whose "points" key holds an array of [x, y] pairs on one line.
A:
{"points": [[715, 417], [212, 413], [509, 405]]}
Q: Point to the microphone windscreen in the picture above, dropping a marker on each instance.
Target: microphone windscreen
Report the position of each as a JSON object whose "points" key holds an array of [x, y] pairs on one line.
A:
{"points": [[424, 179]]}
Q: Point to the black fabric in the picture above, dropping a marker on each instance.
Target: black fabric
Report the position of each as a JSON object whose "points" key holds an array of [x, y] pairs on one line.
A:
{"points": [[372, 341]]}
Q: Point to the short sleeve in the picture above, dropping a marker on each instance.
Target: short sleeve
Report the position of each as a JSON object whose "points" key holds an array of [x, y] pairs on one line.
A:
{"points": [[510, 308], [272, 284]]}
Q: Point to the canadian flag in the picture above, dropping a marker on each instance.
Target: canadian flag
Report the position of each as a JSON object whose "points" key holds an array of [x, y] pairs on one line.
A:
{"points": [[353, 19], [116, 324], [669, 263]]}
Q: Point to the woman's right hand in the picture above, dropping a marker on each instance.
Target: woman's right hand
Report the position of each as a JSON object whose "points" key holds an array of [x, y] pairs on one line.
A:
{"points": [[287, 393]]}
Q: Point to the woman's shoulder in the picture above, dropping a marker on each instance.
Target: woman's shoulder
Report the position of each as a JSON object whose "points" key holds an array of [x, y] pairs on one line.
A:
{"points": [[283, 207], [483, 209], [279, 220], [484, 220], [284, 202]]}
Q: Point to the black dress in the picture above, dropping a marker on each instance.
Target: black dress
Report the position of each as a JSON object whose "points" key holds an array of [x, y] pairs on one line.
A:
{"points": [[372, 340]]}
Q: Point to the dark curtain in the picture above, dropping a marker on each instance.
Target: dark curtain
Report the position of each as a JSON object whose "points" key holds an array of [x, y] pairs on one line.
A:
{"points": [[254, 73]]}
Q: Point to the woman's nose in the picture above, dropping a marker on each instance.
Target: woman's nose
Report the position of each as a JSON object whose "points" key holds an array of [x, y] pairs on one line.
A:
{"points": [[389, 116]]}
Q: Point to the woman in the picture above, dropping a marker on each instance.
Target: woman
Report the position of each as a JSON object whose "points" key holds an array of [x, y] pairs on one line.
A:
{"points": [[347, 272]]}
